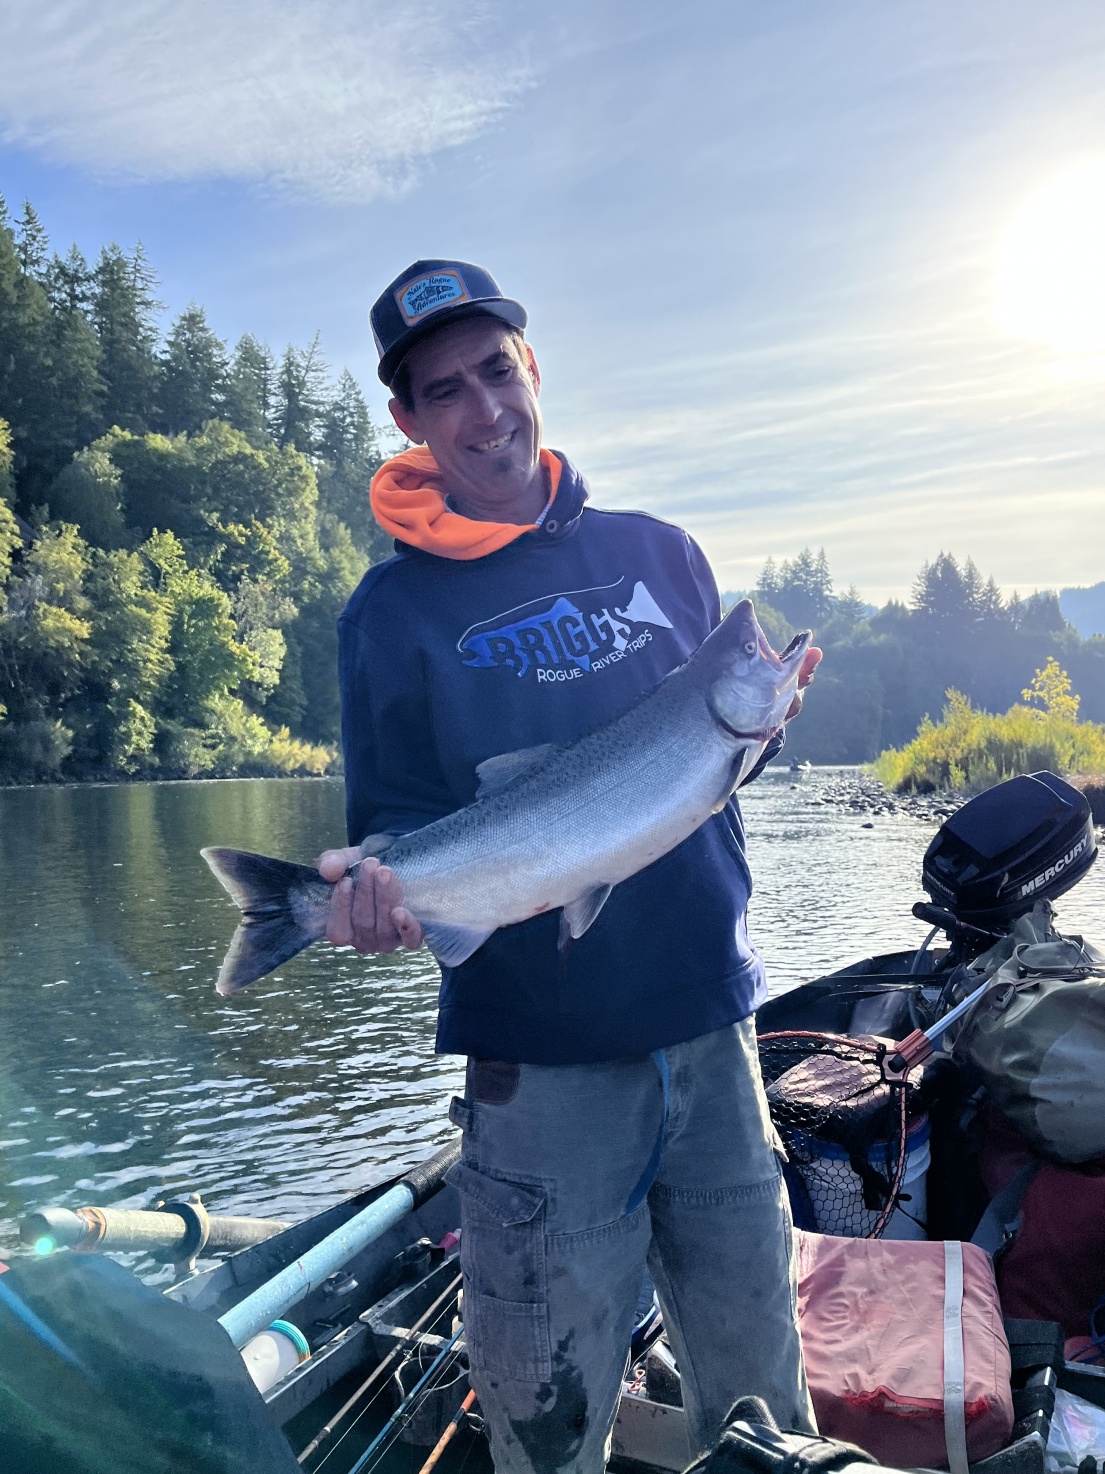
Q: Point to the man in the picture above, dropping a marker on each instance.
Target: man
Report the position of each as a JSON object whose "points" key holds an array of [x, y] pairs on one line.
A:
{"points": [[613, 1113]]}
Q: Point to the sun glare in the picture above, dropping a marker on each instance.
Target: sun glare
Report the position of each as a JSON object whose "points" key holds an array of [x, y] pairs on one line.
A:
{"points": [[1051, 265]]}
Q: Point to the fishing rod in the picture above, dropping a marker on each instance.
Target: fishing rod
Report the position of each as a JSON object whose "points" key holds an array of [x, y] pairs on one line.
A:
{"points": [[404, 1406], [378, 1371], [443, 1442]]}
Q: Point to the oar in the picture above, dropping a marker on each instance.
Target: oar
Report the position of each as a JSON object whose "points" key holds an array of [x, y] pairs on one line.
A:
{"points": [[277, 1296]]}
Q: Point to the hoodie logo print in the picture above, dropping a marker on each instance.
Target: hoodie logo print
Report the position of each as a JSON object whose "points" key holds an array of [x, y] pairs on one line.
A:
{"points": [[563, 636]]}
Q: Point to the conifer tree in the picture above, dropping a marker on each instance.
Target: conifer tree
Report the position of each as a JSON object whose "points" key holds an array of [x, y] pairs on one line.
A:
{"points": [[76, 387], [251, 394], [349, 456], [24, 366], [194, 374], [123, 307], [32, 245], [301, 396]]}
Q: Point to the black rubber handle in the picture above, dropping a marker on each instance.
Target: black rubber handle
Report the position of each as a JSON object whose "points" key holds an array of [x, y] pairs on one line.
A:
{"points": [[425, 1179]]}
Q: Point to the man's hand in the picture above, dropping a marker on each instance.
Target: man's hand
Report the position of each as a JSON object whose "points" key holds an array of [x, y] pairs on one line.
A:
{"points": [[810, 661], [366, 909]]}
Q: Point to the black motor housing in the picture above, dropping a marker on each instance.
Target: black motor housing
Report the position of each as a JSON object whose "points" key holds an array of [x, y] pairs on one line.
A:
{"points": [[1021, 840]]}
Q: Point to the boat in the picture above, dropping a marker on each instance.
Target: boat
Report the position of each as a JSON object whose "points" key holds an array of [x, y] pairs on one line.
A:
{"points": [[377, 1361], [797, 767]]}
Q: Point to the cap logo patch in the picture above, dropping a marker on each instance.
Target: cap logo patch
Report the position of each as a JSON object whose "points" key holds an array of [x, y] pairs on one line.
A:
{"points": [[429, 293]]}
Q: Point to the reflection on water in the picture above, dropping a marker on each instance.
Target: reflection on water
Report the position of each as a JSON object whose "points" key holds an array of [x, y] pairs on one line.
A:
{"points": [[122, 1074]]}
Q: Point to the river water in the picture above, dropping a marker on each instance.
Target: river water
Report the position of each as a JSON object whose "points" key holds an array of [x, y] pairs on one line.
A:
{"points": [[123, 1076]]}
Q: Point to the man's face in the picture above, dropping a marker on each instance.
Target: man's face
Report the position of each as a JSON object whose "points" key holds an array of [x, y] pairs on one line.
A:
{"points": [[475, 393]]}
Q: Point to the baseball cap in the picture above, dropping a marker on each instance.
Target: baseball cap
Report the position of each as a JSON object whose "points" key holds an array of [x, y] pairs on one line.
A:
{"points": [[427, 295]]}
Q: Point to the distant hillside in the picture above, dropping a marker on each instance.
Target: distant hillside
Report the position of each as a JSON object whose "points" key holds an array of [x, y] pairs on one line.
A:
{"points": [[1085, 608]]}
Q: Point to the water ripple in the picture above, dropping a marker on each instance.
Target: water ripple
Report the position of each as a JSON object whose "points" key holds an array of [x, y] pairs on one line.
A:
{"points": [[121, 1067]]}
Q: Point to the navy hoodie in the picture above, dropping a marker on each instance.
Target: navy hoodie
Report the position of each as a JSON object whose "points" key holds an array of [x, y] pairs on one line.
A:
{"points": [[445, 663]]}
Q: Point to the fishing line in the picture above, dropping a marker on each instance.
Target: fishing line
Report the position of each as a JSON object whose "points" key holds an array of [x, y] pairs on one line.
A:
{"points": [[402, 1414], [428, 1318], [402, 1424], [407, 1417], [406, 1360], [444, 1355]]}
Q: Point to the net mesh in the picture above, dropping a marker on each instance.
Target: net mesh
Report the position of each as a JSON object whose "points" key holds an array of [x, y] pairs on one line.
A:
{"points": [[843, 1125]]}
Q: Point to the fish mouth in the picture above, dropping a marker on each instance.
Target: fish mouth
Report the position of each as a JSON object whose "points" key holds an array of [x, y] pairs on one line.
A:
{"points": [[793, 652], [799, 645]]}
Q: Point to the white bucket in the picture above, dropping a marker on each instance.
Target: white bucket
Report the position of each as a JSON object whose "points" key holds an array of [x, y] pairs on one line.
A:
{"points": [[836, 1193]]}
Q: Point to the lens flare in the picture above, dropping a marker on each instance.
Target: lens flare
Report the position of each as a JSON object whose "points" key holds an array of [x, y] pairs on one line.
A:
{"points": [[45, 1245], [1050, 282]]}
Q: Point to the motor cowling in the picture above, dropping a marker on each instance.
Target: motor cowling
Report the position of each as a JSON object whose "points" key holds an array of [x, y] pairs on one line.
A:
{"points": [[1027, 839]]}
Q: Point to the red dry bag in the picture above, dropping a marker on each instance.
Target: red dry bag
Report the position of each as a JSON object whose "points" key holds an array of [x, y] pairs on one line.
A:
{"points": [[905, 1350]]}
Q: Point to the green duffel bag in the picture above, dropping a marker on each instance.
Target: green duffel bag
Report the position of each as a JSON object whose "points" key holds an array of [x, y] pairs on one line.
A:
{"points": [[1036, 1041]]}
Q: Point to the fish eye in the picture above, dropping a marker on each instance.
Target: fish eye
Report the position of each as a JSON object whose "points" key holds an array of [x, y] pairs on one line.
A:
{"points": [[750, 647]]}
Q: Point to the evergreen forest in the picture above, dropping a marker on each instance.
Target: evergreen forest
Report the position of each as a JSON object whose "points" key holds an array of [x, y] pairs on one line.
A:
{"points": [[887, 670], [181, 524]]}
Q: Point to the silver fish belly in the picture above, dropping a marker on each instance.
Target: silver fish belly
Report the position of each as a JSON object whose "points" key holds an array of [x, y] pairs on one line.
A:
{"points": [[554, 828]]}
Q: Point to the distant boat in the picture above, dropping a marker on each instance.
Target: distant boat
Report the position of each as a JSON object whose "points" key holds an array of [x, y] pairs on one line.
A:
{"points": [[797, 767]]}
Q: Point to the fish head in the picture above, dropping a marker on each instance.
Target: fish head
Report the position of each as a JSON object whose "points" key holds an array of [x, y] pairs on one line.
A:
{"points": [[749, 687]]}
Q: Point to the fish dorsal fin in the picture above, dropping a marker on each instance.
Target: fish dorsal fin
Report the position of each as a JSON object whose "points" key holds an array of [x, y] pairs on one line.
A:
{"points": [[496, 772], [452, 945], [580, 913], [374, 845]]}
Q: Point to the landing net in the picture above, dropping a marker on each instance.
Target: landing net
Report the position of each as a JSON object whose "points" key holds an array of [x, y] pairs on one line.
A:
{"points": [[845, 1128]]}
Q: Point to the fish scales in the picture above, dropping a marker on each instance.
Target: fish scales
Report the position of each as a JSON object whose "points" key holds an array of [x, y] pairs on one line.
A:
{"points": [[571, 823], [593, 814]]}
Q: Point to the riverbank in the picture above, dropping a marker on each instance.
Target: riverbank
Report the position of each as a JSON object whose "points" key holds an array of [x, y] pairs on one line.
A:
{"points": [[865, 794]]}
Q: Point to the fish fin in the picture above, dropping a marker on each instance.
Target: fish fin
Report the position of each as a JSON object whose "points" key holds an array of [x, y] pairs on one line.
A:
{"points": [[578, 915], [374, 845], [497, 772], [452, 945], [273, 927]]}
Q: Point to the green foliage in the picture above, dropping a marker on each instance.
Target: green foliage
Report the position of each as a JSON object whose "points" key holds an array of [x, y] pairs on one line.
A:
{"points": [[199, 520], [801, 589], [123, 309], [883, 671], [251, 390], [969, 750], [194, 373], [7, 455], [1051, 689], [9, 542], [193, 522], [88, 492]]}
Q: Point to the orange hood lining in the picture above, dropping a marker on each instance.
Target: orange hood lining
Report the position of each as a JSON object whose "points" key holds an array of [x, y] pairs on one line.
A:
{"points": [[408, 501]]}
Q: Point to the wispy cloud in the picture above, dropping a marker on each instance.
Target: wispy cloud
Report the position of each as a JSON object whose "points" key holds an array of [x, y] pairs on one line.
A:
{"points": [[335, 99], [883, 448]]}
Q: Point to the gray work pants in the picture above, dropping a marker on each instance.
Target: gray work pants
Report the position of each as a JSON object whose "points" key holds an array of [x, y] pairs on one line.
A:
{"points": [[572, 1179]]}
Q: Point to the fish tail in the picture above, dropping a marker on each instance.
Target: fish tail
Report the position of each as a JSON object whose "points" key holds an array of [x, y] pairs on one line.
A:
{"points": [[278, 917]]}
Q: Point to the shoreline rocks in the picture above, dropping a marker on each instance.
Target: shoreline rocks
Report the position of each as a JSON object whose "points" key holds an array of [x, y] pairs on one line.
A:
{"points": [[865, 796]]}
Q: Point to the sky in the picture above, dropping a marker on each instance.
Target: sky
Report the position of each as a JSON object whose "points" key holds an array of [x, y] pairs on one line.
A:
{"points": [[798, 272]]}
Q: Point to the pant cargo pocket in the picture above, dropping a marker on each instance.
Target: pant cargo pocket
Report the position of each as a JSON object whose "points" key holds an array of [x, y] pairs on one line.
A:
{"points": [[502, 1251]]}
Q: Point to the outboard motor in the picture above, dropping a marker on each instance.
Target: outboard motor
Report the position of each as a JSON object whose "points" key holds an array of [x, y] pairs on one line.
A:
{"points": [[1022, 841]]}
